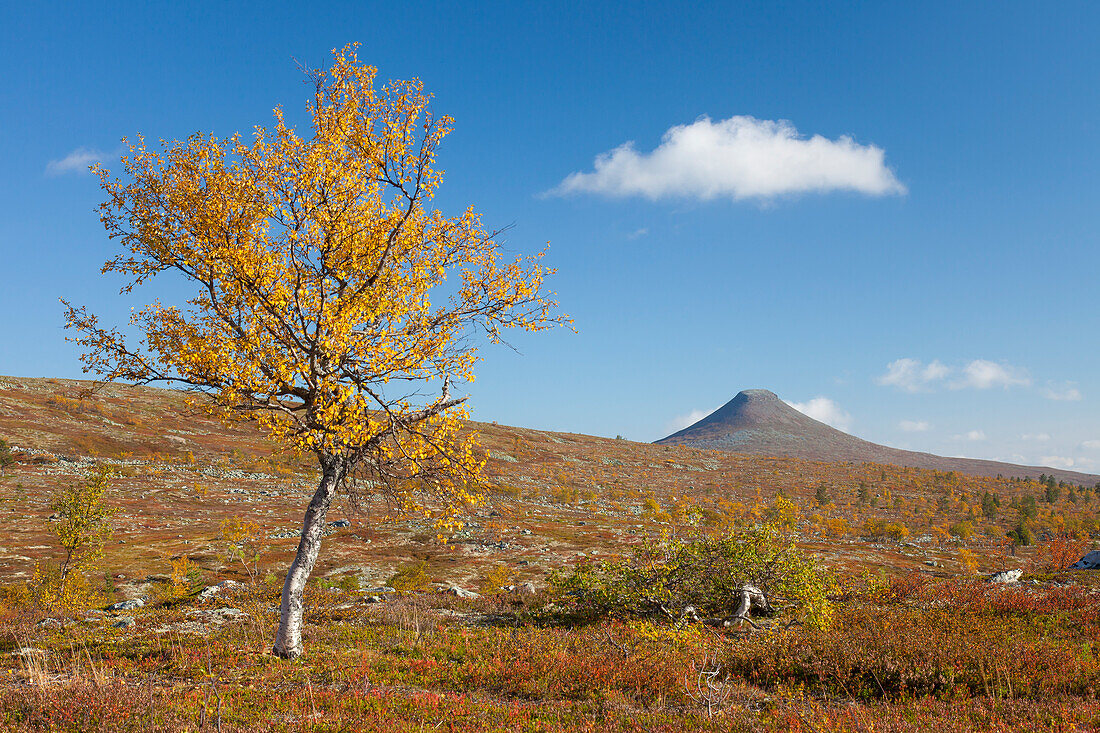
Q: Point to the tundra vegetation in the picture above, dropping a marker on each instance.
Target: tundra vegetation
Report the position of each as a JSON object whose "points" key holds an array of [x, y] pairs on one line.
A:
{"points": [[608, 531]]}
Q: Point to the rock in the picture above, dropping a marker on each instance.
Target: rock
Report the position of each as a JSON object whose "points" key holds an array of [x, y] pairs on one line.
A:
{"points": [[340, 523], [525, 531], [373, 599], [1091, 561], [123, 623], [380, 590], [454, 590], [27, 652], [129, 605], [212, 590], [48, 623], [1006, 576], [528, 588], [218, 616], [225, 615]]}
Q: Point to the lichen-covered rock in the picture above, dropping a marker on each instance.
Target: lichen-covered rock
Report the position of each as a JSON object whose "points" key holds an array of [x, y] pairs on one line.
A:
{"points": [[1090, 561], [454, 590], [1006, 576], [212, 590]]}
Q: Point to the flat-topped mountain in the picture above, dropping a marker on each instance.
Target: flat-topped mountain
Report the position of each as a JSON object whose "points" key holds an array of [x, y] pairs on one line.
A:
{"points": [[757, 422]]}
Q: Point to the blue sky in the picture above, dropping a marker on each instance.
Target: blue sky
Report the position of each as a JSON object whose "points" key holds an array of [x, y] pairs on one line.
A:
{"points": [[912, 255]]}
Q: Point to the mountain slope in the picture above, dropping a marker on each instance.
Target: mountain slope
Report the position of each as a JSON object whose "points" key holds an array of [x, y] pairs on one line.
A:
{"points": [[757, 422]]}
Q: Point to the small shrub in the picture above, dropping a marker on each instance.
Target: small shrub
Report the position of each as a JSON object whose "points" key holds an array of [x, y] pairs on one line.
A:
{"points": [[83, 524], [665, 576], [240, 543], [185, 579], [497, 577], [6, 458], [411, 578], [963, 530]]}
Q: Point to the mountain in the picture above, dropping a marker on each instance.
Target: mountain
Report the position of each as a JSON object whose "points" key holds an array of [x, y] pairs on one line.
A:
{"points": [[757, 422]]}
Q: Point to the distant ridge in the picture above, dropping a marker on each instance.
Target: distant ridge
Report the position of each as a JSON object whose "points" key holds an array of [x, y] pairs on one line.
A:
{"points": [[757, 422]]}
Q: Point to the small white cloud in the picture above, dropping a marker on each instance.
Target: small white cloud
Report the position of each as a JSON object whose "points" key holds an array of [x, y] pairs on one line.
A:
{"points": [[914, 426], [973, 435], [75, 162], [680, 422], [1091, 444], [738, 158], [824, 410], [984, 374], [1037, 437], [913, 376], [638, 233], [1058, 461], [1065, 392]]}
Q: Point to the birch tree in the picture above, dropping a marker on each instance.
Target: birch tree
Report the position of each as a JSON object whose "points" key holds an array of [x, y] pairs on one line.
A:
{"points": [[331, 305]]}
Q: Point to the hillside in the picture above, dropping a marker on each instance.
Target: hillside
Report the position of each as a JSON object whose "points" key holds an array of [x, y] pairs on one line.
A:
{"points": [[552, 497], [757, 422]]}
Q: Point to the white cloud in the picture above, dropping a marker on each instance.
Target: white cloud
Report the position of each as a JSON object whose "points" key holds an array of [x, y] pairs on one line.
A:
{"points": [[973, 435], [738, 158], [680, 422], [75, 162], [913, 376], [1057, 461], [914, 426], [1038, 437], [1091, 444], [1065, 392], [824, 410], [983, 374], [638, 233]]}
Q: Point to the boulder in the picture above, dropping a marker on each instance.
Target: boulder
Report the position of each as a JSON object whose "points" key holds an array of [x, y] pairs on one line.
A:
{"points": [[124, 622], [1091, 561], [340, 523], [212, 590], [1006, 576], [129, 605], [454, 590], [48, 623]]}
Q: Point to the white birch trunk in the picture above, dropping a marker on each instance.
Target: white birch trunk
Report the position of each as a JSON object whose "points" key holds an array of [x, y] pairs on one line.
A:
{"points": [[288, 639]]}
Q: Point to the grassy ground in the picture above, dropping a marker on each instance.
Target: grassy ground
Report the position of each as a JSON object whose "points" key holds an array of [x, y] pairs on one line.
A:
{"points": [[905, 655]]}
